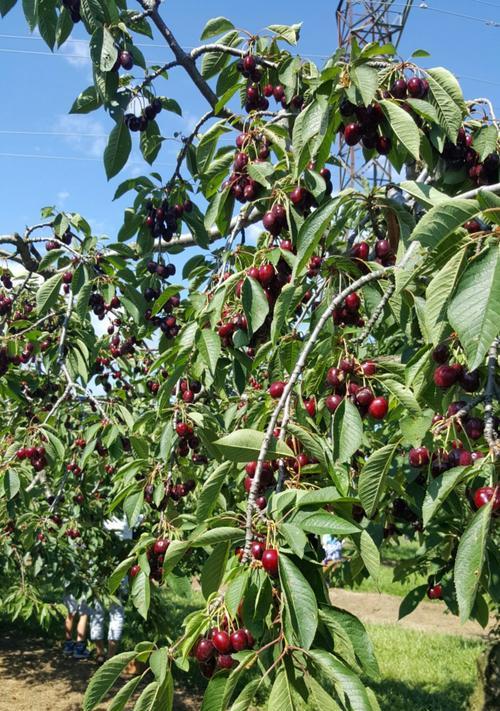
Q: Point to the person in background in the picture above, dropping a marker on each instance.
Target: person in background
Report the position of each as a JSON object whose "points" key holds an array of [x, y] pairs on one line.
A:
{"points": [[333, 551], [76, 649], [114, 610]]}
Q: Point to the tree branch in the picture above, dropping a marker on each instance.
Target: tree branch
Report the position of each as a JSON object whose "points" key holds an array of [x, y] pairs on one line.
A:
{"points": [[376, 314], [354, 286], [490, 435]]}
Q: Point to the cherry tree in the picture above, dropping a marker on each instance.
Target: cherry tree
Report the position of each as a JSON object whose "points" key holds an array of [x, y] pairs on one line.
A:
{"points": [[335, 376]]}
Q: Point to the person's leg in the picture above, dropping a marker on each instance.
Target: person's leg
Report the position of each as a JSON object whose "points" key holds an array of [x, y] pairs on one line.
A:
{"points": [[81, 630], [71, 607], [97, 630], [116, 619]]}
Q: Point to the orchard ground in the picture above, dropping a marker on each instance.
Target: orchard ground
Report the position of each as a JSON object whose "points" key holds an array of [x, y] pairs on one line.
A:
{"points": [[427, 661]]}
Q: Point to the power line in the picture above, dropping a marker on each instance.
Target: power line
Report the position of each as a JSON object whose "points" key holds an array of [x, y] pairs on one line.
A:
{"points": [[79, 158]]}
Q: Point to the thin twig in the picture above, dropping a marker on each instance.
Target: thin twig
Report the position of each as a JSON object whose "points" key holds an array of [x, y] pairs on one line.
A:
{"points": [[490, 435], [376, 314]]}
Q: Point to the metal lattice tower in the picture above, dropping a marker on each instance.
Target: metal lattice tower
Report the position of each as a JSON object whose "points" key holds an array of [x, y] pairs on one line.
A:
{"points": [[368, 21]]}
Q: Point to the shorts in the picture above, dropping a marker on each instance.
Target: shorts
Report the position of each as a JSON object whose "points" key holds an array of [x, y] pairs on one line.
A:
{"points": [[74, 606]]}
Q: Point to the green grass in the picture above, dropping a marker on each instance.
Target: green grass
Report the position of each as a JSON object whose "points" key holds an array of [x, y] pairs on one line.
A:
{"points": [[421, 671]]}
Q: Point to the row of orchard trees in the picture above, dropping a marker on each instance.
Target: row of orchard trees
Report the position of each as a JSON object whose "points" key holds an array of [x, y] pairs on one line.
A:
{"points": [[337, 377]]}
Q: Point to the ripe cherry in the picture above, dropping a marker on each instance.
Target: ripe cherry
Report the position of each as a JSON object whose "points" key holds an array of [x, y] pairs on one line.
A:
{"points": [[383, 145], [368, 368], [361, 250], [332, 402], [67, 277], [445, 376], [441, 353], [398, 89], [485, 494], [310, 406], [204, 650], [352, 302], [469, 381], [270, 562], [257, 549], [126, 60], [474, 428], [382, 248], [378, 408], [160, 546], [419, 457], [266, 274], [135, 570], [415, 87], [249, 63], [239, 640], [276, 389], [298, 195], [353, 133], [183, 429], [221, 641], [435, 592], [188, 396], [364, 397], [225, 661]]}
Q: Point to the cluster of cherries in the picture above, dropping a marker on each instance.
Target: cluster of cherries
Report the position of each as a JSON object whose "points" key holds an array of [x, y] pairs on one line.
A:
{"points": [[214, 650], [244, 188], [162, 271], [188, 389], [5, 304], [74, 469], [100, 307], [164, 220], [365, 128], [348, 312], [66, 238], [149, 113], [168, 323], [36, 455], [156, 556], [462, 155], [174, 492], [255, 99], [122, 347], [341, 380]]}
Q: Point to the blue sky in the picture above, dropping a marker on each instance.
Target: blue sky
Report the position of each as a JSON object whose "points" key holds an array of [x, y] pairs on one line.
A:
{"points": [[38, 88]]}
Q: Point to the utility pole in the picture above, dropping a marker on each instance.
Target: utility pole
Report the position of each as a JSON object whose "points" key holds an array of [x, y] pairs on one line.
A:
{"points": [[368, 21]]}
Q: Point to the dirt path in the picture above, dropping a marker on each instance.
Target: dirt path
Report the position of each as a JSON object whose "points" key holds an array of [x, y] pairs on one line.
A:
{"points": [[383, 609], [36, 677]]}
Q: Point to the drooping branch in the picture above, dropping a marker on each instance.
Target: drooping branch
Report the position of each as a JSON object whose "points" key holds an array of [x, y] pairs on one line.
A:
{"points": [[299, 366], [376, 314], [187, 142], [490, 435]]}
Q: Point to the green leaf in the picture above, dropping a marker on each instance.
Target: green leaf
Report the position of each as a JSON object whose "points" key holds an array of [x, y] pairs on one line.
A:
{"points": [[490, 205], [411, 600], [281, 308], [442, 220], [104, 679], [209, 347], [289, 33], [46, 295], [244, 700], [403, 394], [118, 149], [122, 697], [294, 537], [403, 126], [216, 26], [150, 142], [328, 523], [438, 491], [118, 574], [214, 694], [473, 311], [132, 507], [244, 446], [438, 293], [443, 94], [424, 109], [141, 593], [282, 696], [300, 602], [213, 570], [210, 493], [347, 431], [156, 696], [87, 101], [424, 193], [255, 304], [370, 555], [174, 554], [365, 78], [357, 635], [312, 442], [217, 535], [47, 21], [485, 141], [469, 560], [342, 675], [311, 233], [11, 484], [372, 480], [260, 173]]}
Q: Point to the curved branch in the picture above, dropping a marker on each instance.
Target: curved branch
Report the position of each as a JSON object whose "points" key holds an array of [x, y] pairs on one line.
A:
{"points": [[490, 435]]}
